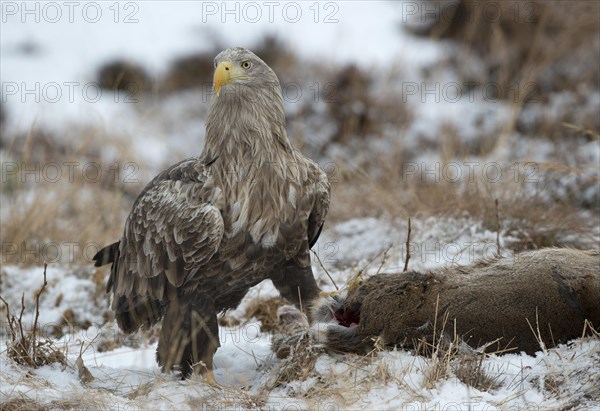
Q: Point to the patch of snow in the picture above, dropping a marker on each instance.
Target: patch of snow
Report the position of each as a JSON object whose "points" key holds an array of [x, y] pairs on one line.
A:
{"points": [[128, 376]]}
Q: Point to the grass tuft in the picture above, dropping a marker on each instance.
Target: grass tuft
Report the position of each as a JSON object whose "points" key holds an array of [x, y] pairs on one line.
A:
{"points": [[29, 347]]}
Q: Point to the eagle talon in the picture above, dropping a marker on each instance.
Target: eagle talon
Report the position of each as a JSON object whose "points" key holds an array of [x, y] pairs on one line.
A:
{"points": [[209, 378]]}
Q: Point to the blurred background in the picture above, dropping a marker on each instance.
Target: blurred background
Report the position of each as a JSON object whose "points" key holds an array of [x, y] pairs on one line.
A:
{"points": [[425, 109]]}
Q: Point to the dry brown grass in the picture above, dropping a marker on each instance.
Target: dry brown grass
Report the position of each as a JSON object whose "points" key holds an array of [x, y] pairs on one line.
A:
{"points": [[23, 404], [298, 365], [554, 381], [528, 49], [92, 214], [532, 50], [218, 397], [58, 211], [87, 213], [189, 72], [73, 403], [521, 40], [124, 75], [361, 104], [448, 356], [265, 311], [29, 347], [471, 370], [527, 210]]}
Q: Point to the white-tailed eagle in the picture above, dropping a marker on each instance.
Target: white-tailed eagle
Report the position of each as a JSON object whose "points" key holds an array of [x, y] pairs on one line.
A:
{"points": [[208, 228]]}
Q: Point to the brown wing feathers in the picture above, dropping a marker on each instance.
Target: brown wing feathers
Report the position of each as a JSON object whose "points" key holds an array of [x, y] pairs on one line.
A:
{"points": [[203, 232]]}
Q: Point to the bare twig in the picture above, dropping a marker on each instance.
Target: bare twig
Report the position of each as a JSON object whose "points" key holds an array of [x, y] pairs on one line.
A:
{"points": [[324, 269], [536, 331], [592, 331], [362, 270], [591, 134], [9, 320], [300, 300], [37, 310], [20, 322], [383, 258], [498, 249], [437, 305], [85, 376], [407, 258]]}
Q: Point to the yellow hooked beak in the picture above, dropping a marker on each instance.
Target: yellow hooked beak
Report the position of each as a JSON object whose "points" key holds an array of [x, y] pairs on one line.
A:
{"points": [[226, 73]]}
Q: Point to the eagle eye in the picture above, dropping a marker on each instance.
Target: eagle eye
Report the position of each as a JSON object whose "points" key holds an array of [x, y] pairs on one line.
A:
{"points": [[246, 64]]}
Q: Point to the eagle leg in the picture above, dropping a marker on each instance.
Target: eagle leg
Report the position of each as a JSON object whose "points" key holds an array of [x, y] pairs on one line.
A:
{"points": [[297, 285], [189, 336]]}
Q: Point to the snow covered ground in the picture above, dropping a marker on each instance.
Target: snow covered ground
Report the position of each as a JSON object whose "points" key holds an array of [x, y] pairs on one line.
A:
{"points": [[49, 56], [127, 377]]}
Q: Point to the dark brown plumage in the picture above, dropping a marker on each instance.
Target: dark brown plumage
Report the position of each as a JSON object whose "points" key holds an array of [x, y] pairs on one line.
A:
{"points": [[208, 228]]}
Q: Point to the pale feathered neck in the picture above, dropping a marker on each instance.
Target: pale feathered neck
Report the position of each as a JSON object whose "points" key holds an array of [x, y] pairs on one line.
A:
{"points": [[247, 122]]}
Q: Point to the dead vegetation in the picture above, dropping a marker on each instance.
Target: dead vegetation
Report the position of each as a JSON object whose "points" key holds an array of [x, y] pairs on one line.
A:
{"points": [[54, 187], [354, 108], [351, 105], [446, 361], [29, 347], [359, 106], [296, 374], [276, 54], [39, 404], [265, 311], [527, 50], [531, 217], [430, 175], [520, 40], [298, 365], [448, 356], [472, 371], [532, 62], [189, 72], [124, 76]]}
